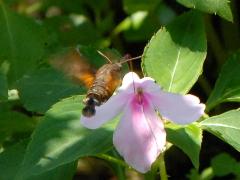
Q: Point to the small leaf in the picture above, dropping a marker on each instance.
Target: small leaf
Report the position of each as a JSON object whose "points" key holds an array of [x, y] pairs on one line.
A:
{"points": [[22, 43], [219, 7], [223, 164], [60, 139], [227, 87], [188, 139], [174, 57], [42, 88], [225, 126]]}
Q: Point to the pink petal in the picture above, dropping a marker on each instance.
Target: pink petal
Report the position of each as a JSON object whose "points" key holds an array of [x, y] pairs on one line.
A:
{"points": [[181, 109], [140, 136], [106, 111]]}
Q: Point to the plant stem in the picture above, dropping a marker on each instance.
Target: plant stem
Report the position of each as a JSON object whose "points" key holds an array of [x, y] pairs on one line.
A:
{"points": [[112, 159], [162, 167]]}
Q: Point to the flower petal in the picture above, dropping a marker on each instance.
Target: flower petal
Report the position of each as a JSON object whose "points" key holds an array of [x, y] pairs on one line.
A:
{"points": [[140, 136], [181, 109], [106, 111], [149, 85], [129, 81]]}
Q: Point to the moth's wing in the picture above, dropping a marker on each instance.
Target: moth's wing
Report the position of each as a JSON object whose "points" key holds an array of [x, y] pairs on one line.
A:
{"points": [[72, 63]]}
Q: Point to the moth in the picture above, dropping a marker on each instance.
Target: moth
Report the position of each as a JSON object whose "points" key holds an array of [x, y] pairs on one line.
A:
{"points": [[101, 83]]}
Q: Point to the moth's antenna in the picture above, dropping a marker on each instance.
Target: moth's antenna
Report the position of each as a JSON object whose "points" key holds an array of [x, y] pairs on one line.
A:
{"points": [[130, 59], [103, 55]]}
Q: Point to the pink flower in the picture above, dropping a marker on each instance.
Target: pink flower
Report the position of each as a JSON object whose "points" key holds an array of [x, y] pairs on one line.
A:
{"points": [[140, 135]]}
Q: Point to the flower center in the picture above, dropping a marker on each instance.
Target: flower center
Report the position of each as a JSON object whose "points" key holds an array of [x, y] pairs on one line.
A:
{"points": [[139, 94]]}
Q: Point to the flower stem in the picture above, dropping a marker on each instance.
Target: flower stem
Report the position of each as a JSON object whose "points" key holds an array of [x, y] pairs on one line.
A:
{"points": [[162, 167], [112, 159]]}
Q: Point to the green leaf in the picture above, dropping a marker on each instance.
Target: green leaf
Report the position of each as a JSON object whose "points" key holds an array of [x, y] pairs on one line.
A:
{"points": [[3, 87], [42, 88], [174, 57], [60, 139], [225, 126], [223, 164], [219, 7], [22, 43], [131, 6], [227, 87], [11, 159], [65, 172], [187, 138]]}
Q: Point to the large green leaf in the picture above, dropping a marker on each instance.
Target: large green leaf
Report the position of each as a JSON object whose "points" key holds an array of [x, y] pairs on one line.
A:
{"points": [[227, 87], [22, 42], [11, 159], [42, 88], [187, 138], [60, 139], [226, 126], [174, 57], [219, 7]]}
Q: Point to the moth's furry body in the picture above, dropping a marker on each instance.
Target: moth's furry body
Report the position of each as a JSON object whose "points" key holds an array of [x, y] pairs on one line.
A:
{"points": [[107, 79]]}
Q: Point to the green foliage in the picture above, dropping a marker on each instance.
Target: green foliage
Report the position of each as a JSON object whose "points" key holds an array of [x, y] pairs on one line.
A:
{"points": [[219, 7], [22, 43], [40, 132], [41, 89], [11, 159], [226, 126], [188, 139], [221, 165], [227, 87], [4, 87], [131, 6], [60, 139], [174, 56]]}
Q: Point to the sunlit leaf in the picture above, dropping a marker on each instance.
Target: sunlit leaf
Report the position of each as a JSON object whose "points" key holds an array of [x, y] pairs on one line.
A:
{"points": [[11, 159], [187, 138], [225, 126], [174, 56], [60, 139], [219, 7], [227, 87]]}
